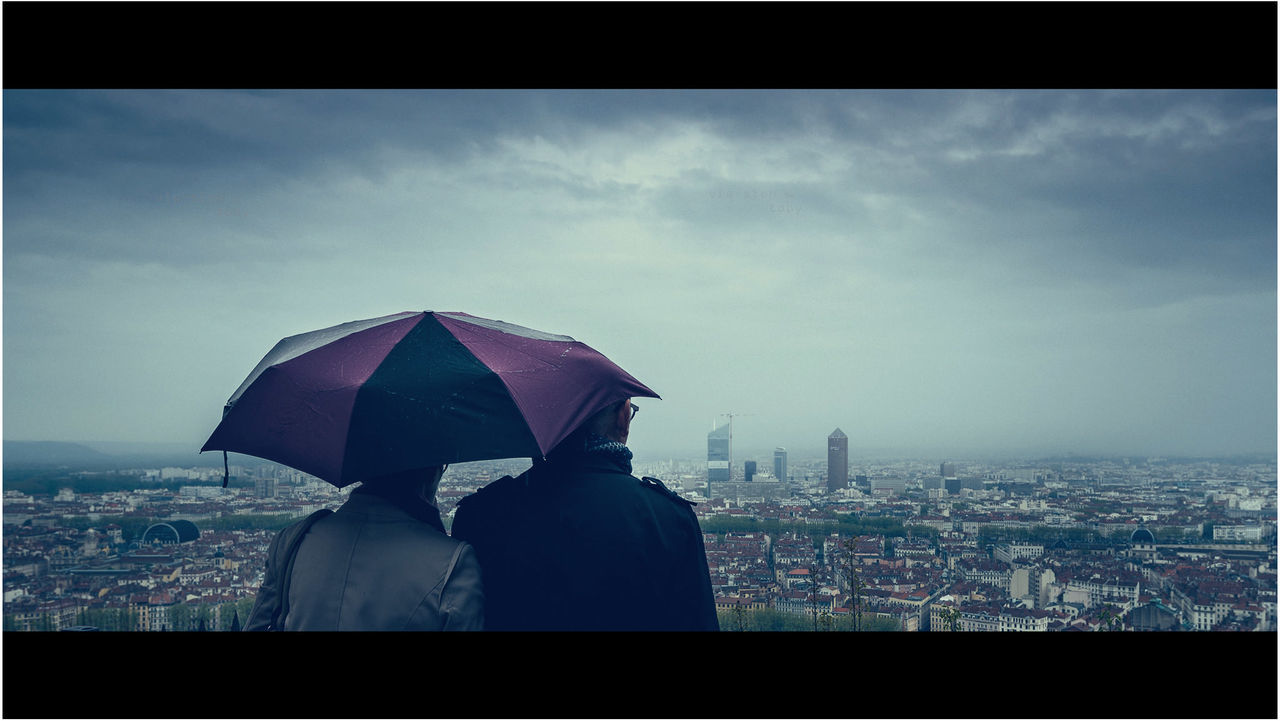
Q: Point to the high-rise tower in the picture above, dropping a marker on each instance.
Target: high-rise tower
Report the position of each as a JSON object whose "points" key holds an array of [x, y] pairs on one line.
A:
{"points": [[837, 460], [264, 487], [780, 464], [718, 455]]}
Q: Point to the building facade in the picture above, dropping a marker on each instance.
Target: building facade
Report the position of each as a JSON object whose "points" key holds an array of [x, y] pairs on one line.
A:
{"points": [[780, 464], [770, 490], [892, 484], [1237, 533], [1013, 552], [1123, 590], [264, 487], [718, 455], [837, 460]]}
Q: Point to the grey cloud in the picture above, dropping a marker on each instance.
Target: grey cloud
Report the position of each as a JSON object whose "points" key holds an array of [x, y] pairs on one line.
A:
{"points": [[965, 268]]}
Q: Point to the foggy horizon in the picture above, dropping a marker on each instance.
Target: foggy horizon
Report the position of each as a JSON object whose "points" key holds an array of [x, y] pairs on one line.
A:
{"points": [[950, 273]]}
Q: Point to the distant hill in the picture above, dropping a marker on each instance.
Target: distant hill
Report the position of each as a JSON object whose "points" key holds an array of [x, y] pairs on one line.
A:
{"points": [[96, 456], [51, 453]]}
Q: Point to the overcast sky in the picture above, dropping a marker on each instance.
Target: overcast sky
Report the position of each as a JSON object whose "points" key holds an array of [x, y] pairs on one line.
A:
{"points": [[934, 272]]}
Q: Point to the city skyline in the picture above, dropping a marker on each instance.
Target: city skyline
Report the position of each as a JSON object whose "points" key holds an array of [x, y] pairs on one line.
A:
{"points": [[938, 272], [1024, 264]]}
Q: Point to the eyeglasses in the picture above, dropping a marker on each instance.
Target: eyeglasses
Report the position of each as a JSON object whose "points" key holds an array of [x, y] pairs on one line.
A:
{"points": [[634, 410]]}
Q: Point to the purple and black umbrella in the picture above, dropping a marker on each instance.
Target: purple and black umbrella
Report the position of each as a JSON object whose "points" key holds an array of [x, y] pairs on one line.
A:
{"points": [[414, 389]]}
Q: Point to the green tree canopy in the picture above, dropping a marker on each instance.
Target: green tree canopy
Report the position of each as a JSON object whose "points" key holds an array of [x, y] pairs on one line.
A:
{"points": [[769, 619]]}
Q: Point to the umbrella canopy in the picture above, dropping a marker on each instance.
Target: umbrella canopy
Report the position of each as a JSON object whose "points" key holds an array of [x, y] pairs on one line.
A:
{"points": [[414, 389]]}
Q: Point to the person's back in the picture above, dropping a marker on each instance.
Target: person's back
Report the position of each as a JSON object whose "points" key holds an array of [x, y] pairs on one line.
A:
{"points": [[578, 543], [381, 562]]}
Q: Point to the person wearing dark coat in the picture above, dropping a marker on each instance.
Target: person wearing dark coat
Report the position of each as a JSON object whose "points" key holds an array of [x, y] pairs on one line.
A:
{"points": [[577, 543], [381, 562]]}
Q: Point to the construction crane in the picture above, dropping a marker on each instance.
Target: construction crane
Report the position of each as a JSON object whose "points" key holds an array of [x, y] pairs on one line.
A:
{"points": [[730, 416]]}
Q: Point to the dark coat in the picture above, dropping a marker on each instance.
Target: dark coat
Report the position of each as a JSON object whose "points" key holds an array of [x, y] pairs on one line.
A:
{"points": [[578, 543], [372, 566]]}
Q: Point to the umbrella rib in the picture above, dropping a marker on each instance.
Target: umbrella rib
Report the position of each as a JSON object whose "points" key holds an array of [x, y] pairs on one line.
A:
{"points": [[530, 356]]}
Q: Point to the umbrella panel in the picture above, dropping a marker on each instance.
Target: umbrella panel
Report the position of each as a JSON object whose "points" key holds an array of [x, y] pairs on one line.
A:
{"points": [[555, 381], [296, 412], [429, 402]]}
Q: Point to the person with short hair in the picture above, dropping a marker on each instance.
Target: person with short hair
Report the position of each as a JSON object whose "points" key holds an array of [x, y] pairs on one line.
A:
{"points": [[578, 543], [381, 562]]}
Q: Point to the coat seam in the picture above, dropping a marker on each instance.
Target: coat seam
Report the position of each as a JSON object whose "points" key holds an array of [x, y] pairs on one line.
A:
{"points": [[342, 598], [440, 585]]}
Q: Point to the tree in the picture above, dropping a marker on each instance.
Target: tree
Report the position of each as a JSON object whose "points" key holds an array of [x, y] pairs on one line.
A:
{"points": [[226, 612], [180, 617], [131, 529], [764, 620], [950, 618], [856, 585], [1108, 621], [244, 607], [204, 616], [876, 624], [826, 620], [813, 595], [96, 617]]}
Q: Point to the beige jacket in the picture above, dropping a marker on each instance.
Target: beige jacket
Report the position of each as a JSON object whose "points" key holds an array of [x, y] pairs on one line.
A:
{"points": [[371, 566]]}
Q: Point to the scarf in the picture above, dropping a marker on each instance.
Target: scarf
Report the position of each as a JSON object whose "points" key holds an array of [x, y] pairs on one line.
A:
{"points": [[597, 444]]}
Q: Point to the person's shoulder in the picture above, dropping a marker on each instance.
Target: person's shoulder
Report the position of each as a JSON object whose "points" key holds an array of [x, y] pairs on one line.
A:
{"points": [[653, 485], [492, 511], [292, 534], [495, 494], [304, 524]]}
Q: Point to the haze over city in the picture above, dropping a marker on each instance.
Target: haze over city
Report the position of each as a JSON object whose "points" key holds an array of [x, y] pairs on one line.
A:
{"points": [[933, 272]]}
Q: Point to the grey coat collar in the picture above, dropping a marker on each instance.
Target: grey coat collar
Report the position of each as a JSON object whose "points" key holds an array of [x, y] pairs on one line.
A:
{"points": [[392, 509]]}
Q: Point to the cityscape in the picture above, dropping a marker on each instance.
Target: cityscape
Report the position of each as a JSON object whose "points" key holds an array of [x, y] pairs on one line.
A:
{"points": [[841, 543], [1010, 350]]}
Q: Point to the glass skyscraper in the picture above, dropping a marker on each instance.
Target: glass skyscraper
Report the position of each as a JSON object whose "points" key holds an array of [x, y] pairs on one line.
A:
{"points": [[718, 454], [780, 464]]}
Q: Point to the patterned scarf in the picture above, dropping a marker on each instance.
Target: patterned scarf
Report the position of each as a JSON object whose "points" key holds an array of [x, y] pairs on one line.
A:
{"points": [[598, 444]]}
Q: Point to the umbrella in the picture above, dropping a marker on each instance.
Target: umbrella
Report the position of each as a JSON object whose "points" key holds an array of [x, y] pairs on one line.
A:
{"points": [[384, 395]]}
